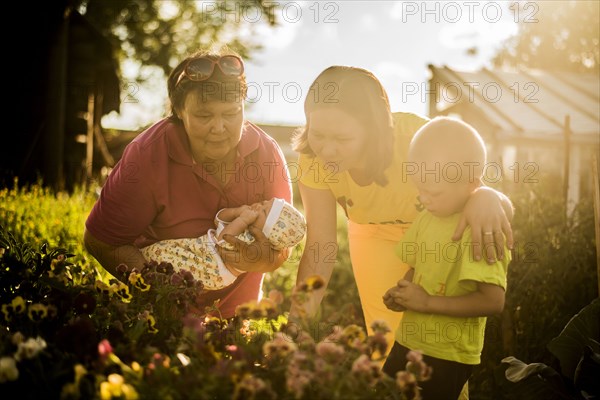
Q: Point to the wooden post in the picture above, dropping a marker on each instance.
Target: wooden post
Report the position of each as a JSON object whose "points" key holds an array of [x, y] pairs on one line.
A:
{"points": [[596, 191], [567, 161], [100, 142]]}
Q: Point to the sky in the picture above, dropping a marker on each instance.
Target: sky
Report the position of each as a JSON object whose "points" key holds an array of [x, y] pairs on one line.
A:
{"points": [[396, 40]]}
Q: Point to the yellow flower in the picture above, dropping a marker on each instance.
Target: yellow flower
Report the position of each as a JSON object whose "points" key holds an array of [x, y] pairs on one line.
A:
{"points": [[268, 308], [8, 369], [115, 387], [353, 335], [247, 310], [80, 371], [37, 312], [6, 311], [311, 283], [18, 305], [151, 324], [137, 280], [102, 288], [122, 290]]}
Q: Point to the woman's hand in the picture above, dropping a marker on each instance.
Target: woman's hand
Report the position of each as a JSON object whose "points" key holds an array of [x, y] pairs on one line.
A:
{"points": [[487, 213], [257, 256], [110, 257]]}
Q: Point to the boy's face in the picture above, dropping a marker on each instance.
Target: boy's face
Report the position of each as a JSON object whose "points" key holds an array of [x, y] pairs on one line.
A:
{"points": [[442, 198], [263, 209]]}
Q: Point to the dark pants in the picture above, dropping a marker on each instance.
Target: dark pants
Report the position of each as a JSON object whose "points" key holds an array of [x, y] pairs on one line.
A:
{"points": [[447, 379]]}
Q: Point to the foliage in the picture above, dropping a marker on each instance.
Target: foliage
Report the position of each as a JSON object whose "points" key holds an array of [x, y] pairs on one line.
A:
{"points": [[66, 334], [34, 215], [341, 304], [552, 277], [577, 349], [159, 32], [555, 35]]}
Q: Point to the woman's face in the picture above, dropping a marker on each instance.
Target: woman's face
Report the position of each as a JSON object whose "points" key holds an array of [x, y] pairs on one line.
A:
{"points": [[214, 128], [337, 138]]}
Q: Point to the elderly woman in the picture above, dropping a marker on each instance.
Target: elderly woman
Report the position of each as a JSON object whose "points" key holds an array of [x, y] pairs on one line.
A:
{"points": [[176, 175]]}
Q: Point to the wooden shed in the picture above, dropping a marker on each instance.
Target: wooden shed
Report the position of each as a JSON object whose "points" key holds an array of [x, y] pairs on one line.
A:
{"points": [[65, 79], [534, 122]]}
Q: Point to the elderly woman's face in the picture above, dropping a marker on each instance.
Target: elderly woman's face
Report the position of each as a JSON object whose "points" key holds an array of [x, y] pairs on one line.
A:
{"points": [[214, 128], [337, 138]]}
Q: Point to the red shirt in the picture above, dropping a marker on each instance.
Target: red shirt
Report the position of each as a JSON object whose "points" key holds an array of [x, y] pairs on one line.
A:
{"points": [[155, 192]]}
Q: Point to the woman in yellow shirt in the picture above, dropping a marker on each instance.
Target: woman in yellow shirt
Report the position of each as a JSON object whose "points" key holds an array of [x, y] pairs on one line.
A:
{"points": [[353, 153]]}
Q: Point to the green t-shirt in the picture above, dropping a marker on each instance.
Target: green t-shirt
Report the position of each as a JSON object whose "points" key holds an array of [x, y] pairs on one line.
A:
{"points": [[445, 268]]}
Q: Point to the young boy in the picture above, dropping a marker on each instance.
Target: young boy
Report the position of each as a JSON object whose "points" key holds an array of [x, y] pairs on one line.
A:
{"points": [[281, 223], [446, 294]]}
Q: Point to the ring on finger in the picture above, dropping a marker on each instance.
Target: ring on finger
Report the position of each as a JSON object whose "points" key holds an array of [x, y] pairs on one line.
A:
{"points": [[488, 233]]}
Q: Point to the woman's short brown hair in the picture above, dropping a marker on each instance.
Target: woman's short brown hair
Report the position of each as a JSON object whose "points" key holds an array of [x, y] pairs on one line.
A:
{"points": [[218, 87], [359, 93]]}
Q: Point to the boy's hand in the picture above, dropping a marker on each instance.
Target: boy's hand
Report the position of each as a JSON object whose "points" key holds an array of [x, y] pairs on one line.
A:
{"points": [[411, 296], [391, 299]]}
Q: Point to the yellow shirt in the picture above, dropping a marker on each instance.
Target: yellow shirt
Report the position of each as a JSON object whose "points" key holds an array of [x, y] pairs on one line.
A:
{"points": [[395, 203], [445, 268]]}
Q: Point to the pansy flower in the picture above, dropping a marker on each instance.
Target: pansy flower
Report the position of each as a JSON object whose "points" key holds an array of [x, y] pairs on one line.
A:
{"points": [[121, 290], [37, 311], [102, 288], [137, 280]]}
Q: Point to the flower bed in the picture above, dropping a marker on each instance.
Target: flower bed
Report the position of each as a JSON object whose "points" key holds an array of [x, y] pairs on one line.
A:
{"points": [[66, 333]]}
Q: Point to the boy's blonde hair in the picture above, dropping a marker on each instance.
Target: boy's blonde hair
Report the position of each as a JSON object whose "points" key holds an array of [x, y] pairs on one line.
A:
{"points": [[450, 140]]}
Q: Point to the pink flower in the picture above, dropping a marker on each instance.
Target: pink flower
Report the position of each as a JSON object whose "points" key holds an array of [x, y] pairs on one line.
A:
{"points": [[104, 349], [378, 344], [380, 326], [330, 352], [324, 371], [408, 385], [417, 366], [414, 356], [299, 374], [276, 296], [280, 346], [366, 369]]}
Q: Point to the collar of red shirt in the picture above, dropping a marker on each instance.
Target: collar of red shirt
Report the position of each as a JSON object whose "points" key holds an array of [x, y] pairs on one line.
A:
{"points": [[179, 147]]}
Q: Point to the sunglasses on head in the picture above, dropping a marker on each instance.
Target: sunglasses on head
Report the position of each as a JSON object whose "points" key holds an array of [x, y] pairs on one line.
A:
{"points": [[200, 69]]}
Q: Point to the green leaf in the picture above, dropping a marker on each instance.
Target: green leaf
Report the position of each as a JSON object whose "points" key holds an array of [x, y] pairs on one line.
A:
{"points": [[588, 371], [518, 370], [582, 330], [535, 381]]}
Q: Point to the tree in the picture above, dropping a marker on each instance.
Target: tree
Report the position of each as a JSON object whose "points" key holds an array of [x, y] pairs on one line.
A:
{"points": [[50, 86], [554, 35], [160, 32]]}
